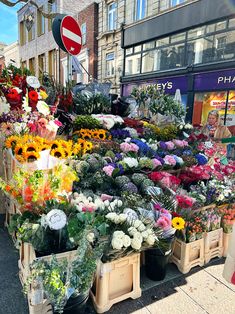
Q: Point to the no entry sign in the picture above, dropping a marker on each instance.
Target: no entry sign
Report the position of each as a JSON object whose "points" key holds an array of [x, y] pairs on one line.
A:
{"points": [[71, 35]]}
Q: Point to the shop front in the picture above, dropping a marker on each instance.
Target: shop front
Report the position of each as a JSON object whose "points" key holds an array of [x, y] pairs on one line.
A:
{"points": [[211, 91], [214, 91]]}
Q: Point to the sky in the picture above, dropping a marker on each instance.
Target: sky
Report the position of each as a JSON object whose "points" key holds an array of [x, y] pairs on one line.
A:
{"points": [[8, 23]]}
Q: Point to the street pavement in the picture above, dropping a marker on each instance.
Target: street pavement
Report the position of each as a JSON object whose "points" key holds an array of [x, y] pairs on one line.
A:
{"points": [[203, 290]]}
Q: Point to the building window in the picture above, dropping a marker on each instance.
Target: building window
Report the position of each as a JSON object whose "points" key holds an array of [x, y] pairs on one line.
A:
{"points": [[52, 63], [133, 64], [41, 65], [112, 16], [140, 9], [22, 34], [23, 64], [166, 4], [177, 2], [31, 33], [110, 64], [83, 30], [52, 8], [32, 65], [41, 23]]}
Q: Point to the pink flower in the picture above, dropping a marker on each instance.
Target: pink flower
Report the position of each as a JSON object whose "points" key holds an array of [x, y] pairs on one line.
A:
{"points": [[58, 123], [163, 222], [178, 143], [156, 163], [32, 127], [185, 143], [108, 170], [134, 147], [105, 197], [170, 145], [169, 160]]}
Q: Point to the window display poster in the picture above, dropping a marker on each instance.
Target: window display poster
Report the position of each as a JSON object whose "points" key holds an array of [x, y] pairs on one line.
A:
{"points": [[205, 102]]}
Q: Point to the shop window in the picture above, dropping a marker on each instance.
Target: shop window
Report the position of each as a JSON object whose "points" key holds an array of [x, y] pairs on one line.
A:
{"points": [[162, 42], [173, 3], [41, 65], [40, 23], [230, 116], [32, 65], [110, 67], [231, 23], [133, 64], [31, 33], [112, 16], [22, 33], [137, 48], [52, 8], [178, 37], [84, 33], [140, 9], [149, 45], [129, 51], [205, 102]]}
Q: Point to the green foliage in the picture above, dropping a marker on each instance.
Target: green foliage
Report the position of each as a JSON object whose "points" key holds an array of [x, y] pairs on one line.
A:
{"points": [[13, 70], [86, 122], [94, 104]]}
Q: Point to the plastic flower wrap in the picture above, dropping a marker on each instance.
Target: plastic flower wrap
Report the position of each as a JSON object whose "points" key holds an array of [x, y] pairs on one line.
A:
{"points": [[38, 186]]}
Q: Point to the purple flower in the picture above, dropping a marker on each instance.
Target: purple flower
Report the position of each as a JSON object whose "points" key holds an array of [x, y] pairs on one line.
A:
{"points": [[162, 145], [130, 187], [201, 159]]}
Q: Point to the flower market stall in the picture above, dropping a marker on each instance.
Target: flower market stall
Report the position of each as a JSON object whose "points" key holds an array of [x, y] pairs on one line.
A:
{"points": [[90, 197]]}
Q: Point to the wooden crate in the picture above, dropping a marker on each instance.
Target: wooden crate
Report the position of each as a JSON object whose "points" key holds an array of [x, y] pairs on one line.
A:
{"points": [[115, 282], [28, 255], [187, 255], [213, 244], [9, 164], [226, 239]]}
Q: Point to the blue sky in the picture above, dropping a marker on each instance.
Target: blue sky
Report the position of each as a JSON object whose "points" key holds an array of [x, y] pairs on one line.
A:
{"points": [[8, 23]]}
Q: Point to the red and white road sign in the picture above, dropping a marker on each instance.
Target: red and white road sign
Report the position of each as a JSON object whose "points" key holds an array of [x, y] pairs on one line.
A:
{"points": [[71, 35]]}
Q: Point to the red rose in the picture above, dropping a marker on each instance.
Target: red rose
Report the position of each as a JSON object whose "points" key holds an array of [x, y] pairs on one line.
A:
{"points": [[33, 95]]}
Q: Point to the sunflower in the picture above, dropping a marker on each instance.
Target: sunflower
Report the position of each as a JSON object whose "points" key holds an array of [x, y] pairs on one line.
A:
{"points": [[19, 149], [58, 153], [20, 159], [86, 135], [31, 156], [67, 144], [102, 135], [81, 142], [55, 144], [83, 132], [178, 223], [88, 145], [67, 152], [76, 149], [11, 141], [44, 147], [32, 147], [95, 134]]}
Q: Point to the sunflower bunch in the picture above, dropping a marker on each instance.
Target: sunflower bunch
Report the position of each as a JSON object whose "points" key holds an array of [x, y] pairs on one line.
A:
{"points": [[61, 149], [82, 147], [98, 134], [26, 148]]}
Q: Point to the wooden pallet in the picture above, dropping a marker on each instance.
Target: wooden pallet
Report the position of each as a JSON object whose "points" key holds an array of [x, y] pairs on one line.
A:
{"points": [[213, 244], [187, 255], [116, 281]]}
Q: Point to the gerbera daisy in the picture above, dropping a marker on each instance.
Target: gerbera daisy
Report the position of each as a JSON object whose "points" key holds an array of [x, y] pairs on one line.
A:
{"points": [[31, 156], [58, 153], [33, 95], [178, 223], [11, 141], [7, 128], [19, 149]]}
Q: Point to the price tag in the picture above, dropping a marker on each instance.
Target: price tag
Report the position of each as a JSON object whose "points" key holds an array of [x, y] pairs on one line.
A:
{"points": [[56, 219]]}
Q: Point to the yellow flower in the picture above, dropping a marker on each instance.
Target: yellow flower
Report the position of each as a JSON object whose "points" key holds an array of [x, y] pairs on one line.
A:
{"points": [[58, 153], [44, 147], [81, 142], [67, 144], [32, 147], [67, 152], [11, 141], [178, 223], [20, 158], [102, 135], [77, 149], [31, 156], [19, 149], [88, 146], [43, 94], [55, 144]]}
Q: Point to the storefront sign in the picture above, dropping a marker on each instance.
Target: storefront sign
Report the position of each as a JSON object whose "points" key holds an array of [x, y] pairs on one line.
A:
{"points": [[215, 80], [169, 85]]}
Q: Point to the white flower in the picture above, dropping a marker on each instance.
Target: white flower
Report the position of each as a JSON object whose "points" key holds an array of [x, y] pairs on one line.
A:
{"points": [[52, 126], [126, 241], [119, 203], [137, 223], [43, 108], [144, 235], [111, 216], [117, 220], [117, 243], [132, 231], [141, 227], [220, 197], [135, 244], [188, 126], [122, 217], [106, 203], [127, 139], [90, 237], [131, 162], [118, 234], [138, 236], [150, 240]]}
